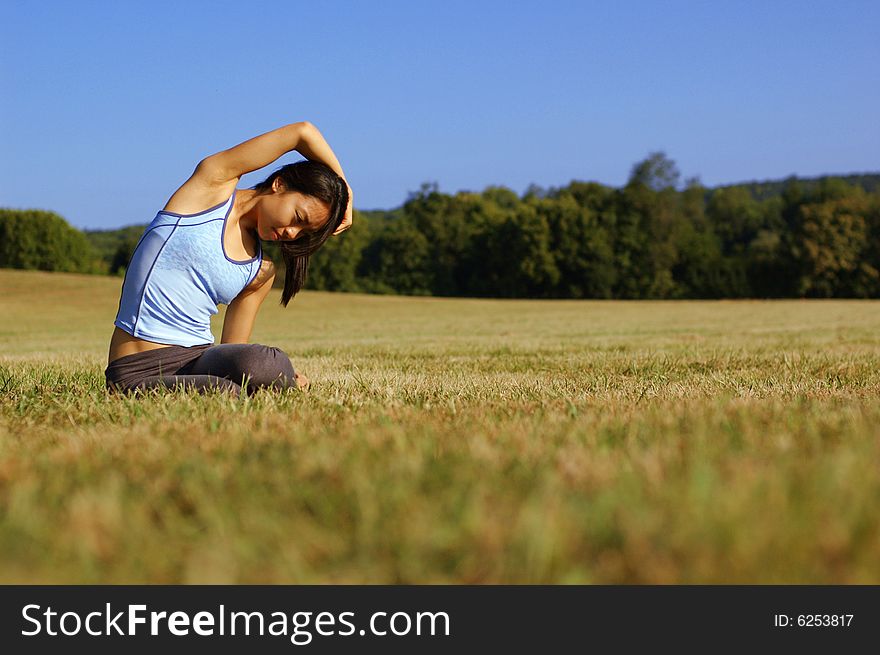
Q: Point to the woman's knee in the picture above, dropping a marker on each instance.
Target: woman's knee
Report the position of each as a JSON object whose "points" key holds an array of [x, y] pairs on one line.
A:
{"points": [[255, 363], [269, 366]]}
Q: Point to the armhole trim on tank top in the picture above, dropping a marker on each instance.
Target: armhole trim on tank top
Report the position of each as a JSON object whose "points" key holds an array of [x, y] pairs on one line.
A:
{"points": [[222, 239], [258, 266], [214, 208]]}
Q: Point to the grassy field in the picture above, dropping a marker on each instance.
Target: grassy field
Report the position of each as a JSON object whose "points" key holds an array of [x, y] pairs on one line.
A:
{"points": [[450, 440]]}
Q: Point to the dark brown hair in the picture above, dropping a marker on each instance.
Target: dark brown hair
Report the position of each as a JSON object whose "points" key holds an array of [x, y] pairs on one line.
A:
{"points": [[311, 178]]}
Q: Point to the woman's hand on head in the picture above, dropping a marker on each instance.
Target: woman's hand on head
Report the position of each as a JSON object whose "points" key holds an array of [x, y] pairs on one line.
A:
{"points": [[349, 211]]}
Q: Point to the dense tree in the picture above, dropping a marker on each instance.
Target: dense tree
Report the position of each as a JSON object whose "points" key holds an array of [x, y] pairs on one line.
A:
{"points": [[335, 266], [44, 241], [580, 247], [513, 258], [397, 261], [869, 268], [832, 239], [735, 218], [443, 221], [700, 270], [651, 201], [657, 172]]}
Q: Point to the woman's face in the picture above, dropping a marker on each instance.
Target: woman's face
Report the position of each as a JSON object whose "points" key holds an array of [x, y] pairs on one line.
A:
{"points": [[285, 215]]}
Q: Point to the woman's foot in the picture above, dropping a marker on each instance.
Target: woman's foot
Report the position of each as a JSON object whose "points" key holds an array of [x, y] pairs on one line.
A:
{"points": [[302, 382]]}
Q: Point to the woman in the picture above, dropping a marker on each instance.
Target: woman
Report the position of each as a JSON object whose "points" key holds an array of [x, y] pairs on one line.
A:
{"points": [[204, 249]]}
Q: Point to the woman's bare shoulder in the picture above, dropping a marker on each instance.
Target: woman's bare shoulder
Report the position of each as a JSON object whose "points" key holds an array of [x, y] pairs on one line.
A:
{"points": [[198, 193]]}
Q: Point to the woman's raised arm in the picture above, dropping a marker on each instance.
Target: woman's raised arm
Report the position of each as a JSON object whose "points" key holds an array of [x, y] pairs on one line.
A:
{"points": [[262, 150]]}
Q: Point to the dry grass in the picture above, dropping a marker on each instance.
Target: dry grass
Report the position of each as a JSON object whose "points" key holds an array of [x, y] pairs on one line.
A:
{"points": [[450, 440]]}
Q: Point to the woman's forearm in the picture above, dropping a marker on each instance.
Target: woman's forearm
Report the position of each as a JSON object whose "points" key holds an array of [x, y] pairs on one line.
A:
{"points": [[313, 146]]}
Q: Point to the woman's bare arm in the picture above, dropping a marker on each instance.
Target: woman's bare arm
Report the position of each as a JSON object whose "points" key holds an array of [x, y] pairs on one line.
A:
{"points": [[255, 153], [262, 150], [242, 311]]}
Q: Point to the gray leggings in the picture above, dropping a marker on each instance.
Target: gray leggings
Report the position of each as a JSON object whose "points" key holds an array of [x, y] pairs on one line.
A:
{"points": [[233, 367]]}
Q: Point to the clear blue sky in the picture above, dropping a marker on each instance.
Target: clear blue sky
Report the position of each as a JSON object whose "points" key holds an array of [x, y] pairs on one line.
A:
{"points": [[107, 106]]}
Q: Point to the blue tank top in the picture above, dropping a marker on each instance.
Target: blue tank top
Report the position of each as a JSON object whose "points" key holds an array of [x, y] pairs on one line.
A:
{"points": [[177, 276]]}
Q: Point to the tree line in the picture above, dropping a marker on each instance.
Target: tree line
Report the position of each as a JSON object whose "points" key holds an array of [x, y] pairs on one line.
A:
{"points": [[655, 237]]}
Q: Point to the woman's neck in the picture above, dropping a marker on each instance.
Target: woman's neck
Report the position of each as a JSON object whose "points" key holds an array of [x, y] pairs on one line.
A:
{"points": [[243, 221], [246, 208]]}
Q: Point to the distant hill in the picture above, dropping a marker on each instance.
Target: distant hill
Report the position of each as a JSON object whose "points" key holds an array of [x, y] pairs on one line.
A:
{"points": [[760, 191]]}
